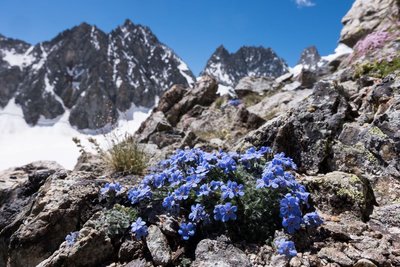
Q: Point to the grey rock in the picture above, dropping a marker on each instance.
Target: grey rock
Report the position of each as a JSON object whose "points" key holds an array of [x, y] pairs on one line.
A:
{"points": [[91, 248], [279, 103], [339, 192], [366, 16], [255, 85], [137, 263], [385, 219], [229, 68], [168, 224], [219, 253], [336, 256], [279, 261], [364, 263], [130, 250], [61, 203], [155, 123], [18, 190], [158, 246], [305, 133], [284, 78]]}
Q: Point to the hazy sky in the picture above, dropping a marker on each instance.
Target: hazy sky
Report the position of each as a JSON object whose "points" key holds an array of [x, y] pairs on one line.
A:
{"points": [[193, 28]]}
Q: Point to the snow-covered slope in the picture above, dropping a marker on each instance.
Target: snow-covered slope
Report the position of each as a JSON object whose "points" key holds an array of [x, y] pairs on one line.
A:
{"points": [[21, 143]]}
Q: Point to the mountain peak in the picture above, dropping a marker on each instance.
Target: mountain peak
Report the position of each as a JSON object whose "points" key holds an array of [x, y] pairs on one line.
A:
{"points": [[310, 57], [229, 68]]}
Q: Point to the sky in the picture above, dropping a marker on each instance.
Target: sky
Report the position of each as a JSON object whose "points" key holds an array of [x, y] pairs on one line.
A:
{"points": [[192, 28]]}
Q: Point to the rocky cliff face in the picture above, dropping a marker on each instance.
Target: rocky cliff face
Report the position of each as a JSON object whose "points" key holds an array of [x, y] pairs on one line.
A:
{"points": [[366, 16], [89, 74], [228, 68]]}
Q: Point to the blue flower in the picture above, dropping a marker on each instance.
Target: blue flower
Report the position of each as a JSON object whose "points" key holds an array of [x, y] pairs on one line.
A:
{"points": [[135, 195], [210, 157], [198, 213], [227, 163], [175, 177], [234, 102], [170, 202], [225, 212], [159, 180], [231, 190], [264, 149], [286, 248], [289, 205], [192, 181], [281, 159], [111, 188], [291, 223], [312, 219], [71, 238], [251, 154], [214, 185], [204, 190], [182, 192], [139, 228], [186, 230]]}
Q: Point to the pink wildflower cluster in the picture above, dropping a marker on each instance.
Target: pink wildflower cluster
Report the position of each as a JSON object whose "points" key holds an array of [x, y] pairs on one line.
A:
{"points": [[371, 42]]}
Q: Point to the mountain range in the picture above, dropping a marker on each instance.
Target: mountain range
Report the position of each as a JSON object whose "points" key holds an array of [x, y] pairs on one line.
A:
{"points": [[93, 77]]}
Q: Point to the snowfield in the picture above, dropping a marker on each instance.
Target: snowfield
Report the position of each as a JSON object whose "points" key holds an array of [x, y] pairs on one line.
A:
{"points": [[22, 144]]}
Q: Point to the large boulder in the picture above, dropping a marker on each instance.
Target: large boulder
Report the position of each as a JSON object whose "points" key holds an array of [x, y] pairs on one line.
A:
{"points": [[306, 132], [62, 204], [92, 247], [219, 253], [337, 192], [366, 16]]}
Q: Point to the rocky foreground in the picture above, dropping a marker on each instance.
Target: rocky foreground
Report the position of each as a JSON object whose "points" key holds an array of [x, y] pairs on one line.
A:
{"points": [[339, 121]]}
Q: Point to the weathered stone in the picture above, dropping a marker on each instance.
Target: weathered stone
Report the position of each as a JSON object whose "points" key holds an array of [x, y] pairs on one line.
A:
{"points": [[334, 255], [158, 246], [279, 261], [170, 98], [168, 224], [339, 192], [305, 133], [219, 253], [130, 250], [366, 16], [364, 263], [61, 204], [254, 85], [18, 190], [91, 248], [155, 123]]}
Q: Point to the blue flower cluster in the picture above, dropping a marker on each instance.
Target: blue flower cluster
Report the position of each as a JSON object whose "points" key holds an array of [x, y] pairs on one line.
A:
{"points": [[277, 176], [71, 238], [110, 189], [200, 186], [139, 228]]}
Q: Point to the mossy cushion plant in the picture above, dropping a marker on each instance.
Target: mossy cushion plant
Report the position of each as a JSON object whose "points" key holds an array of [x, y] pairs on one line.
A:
{"points": [[245, 195]]}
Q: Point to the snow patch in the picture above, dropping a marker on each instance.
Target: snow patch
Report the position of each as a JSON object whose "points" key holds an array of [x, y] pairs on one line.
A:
{"points": [[22, 144], [19, 60], [340, 50], [225, 90]]}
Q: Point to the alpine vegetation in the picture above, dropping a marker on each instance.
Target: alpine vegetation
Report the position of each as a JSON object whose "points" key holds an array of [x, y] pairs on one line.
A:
{"points": [[247, 196]]}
